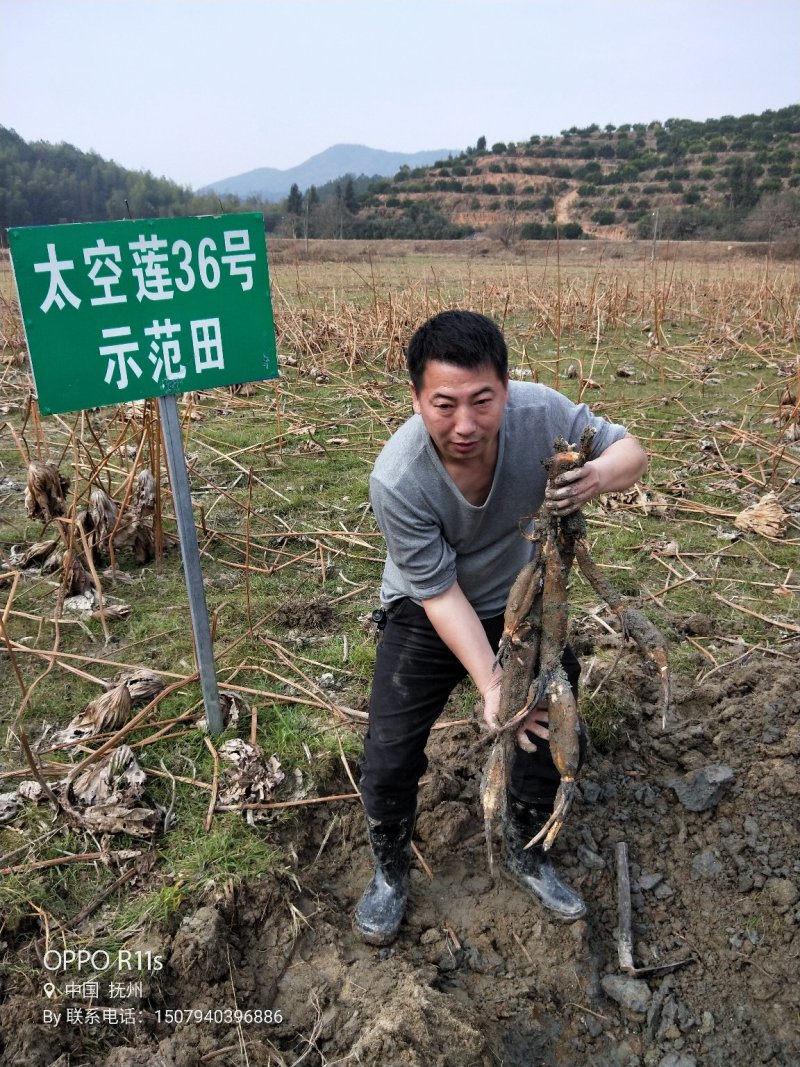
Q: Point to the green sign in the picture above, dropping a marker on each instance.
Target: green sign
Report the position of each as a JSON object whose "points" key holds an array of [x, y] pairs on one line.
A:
{"points": [[119, 311]]}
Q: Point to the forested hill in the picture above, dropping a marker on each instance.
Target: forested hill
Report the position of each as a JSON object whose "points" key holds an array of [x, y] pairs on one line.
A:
{"points": [[42, 184], [728, 178], [732, 178]]}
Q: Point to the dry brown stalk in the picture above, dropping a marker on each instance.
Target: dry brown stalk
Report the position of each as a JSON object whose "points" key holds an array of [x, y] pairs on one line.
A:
{"points": [[699, 647], [52, 770], [790, 626], [59, 658], [585, 381], [288, 803], [13, 577], [353, 592], [13, 658], [243, 637], [21, 447], [345, 764], [163, 732], [421, 860], [347, 536], [98, 587], [225, 456], [59, 861], [126, 876], [766, 649], [266, 694], [272, 569], [44, 618], [764, 559], [283, 655], [165, 727], [35, 769], [253, 724], [196, 782], [774, 452], [625, 926], [55, 656]]}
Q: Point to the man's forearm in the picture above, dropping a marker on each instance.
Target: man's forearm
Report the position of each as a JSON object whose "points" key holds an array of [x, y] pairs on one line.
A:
{"points": [[620, 465], [455, 621]]}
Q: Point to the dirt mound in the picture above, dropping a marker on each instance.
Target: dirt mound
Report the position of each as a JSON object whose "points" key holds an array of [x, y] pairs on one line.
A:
{"points": [[314, 614], [480, 974]]}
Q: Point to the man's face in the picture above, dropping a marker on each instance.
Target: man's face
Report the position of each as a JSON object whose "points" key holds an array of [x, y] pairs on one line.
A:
{"points": [[462, 409]]}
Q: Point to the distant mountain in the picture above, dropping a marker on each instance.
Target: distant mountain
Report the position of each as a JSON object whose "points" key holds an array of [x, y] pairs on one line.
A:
{"points": [[269, 183]]}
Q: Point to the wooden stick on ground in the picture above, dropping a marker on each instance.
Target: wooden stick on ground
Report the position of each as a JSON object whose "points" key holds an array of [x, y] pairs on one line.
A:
{"points": [[624, 929]]}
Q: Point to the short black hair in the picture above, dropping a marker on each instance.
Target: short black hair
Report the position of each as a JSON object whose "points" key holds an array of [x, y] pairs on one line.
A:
{"points": [[464, 338]]}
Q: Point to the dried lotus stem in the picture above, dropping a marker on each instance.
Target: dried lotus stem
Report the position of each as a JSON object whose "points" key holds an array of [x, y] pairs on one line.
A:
{"points": [[142, 685], [109, 710], [36, 554], [103, 514], [45, 491]]}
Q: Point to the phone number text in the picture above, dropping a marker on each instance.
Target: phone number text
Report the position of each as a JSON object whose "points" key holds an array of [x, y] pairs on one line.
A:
{"points": [[218, 1015]]}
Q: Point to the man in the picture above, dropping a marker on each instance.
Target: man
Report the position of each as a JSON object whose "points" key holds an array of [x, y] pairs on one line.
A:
{"points": [[450, 491]]}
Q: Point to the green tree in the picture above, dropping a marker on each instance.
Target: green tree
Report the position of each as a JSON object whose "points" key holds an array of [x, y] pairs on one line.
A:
{"points": [[775, 217], [349, 197], [571, 231], [604, 217], [294, 202], [741, 175]]}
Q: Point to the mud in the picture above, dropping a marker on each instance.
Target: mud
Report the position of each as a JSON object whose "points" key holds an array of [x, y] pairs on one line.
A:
{"points": [[481, 975]]}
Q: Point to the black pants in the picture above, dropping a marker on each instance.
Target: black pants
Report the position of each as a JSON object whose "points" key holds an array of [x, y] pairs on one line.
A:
{"points": [[415, 672]]}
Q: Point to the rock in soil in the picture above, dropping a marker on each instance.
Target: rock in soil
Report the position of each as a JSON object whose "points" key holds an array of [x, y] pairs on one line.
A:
{"points": [[632, 994], [703, 789]]}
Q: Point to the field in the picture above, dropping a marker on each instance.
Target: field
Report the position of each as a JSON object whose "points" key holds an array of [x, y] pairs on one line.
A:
{"points": [[230, 865]]}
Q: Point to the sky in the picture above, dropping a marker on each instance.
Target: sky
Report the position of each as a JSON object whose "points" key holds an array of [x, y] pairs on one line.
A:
{"points": [[200, 90]]}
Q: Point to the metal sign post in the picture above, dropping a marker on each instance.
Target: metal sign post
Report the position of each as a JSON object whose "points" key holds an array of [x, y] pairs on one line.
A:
{"points": [[122, 311], [190, 553]]}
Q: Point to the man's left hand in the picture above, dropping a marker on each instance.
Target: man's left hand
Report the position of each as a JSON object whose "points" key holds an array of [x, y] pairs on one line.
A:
{"points": [[535, 722], [572, 489]]}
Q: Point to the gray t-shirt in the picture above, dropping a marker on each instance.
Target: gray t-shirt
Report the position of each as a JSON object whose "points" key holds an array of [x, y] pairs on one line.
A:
{"points": [[434, 536]]}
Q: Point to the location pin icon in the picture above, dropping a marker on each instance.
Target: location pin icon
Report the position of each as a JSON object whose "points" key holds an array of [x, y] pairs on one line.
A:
{"points": [[49, 989]]}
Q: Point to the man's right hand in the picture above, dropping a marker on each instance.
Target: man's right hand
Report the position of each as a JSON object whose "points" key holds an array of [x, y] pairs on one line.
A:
{"points": [[491, 700]]}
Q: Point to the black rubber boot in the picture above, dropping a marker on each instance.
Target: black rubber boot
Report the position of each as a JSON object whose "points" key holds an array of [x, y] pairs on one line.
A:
{"points": [[383, 903], [532, 867]]}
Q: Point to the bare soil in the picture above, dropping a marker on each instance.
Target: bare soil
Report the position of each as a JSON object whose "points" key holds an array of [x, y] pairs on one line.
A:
{"points": [[480, 974]]}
